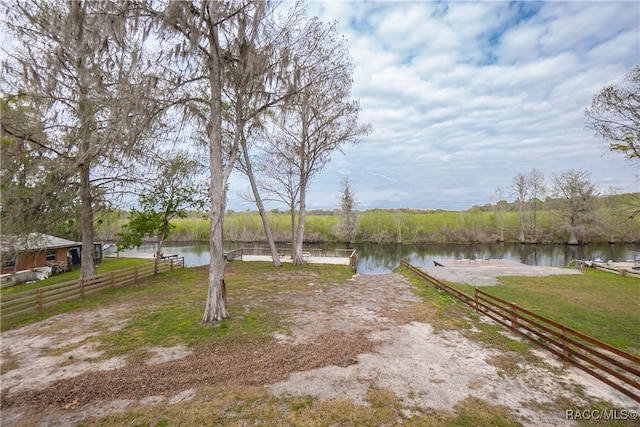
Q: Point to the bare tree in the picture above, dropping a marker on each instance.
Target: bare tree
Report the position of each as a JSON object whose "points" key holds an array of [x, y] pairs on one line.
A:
{"points": [[614, 214], [537, 189], [501, 207], [520, 189], [579, 195], [614, 115], [280, 181], [247, 166], [80, 66], [527, 189], [347, 212], [320, 118], [193, 43]]}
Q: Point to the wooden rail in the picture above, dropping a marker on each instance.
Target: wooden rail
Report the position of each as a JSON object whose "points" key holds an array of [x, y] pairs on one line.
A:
{"points": [[610, 365], [622, 271], [36, 300]]}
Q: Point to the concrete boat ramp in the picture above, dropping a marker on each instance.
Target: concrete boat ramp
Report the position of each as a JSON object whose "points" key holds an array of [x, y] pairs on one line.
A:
{"points": [[486, 272]]}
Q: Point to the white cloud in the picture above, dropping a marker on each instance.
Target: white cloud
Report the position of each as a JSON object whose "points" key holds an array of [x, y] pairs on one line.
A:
{"points": [[464, 95]]}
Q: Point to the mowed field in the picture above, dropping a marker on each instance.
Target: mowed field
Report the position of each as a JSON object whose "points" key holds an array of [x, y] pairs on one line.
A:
{"points": [[602, 305]]}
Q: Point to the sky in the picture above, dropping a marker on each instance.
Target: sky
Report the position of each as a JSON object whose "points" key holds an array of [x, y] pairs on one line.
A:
{"points": [[462, 96]]}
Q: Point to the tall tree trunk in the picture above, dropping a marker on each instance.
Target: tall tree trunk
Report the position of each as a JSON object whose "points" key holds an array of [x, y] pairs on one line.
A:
{"points": [[88, 265], [163, 232], [216, 307], [292, 210], [521, 236], [260, 205], [86, 115], [298, 258], [534, 236]]}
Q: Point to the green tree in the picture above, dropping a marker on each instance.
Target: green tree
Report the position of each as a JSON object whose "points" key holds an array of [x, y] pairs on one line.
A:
{"points": [[35, 197], [79, 66], [578, 193], [176, 188]]}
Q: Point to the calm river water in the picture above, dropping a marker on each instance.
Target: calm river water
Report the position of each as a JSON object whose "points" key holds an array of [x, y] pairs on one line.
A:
{"points": [[378, 258]]}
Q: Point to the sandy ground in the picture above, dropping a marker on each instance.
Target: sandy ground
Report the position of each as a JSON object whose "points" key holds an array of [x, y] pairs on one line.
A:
{"points": [[481, 273], [342, 340]]}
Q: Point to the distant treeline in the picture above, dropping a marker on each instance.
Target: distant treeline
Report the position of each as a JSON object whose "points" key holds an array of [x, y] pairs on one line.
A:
{"points": [[612, 220]]}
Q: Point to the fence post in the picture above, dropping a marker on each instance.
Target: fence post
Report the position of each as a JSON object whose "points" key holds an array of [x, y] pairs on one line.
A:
{"points": [[135, 275], [475, 294], [81, 286], [39, 302], [514, 316], [155, 267], [565, 348], [113, 279]]}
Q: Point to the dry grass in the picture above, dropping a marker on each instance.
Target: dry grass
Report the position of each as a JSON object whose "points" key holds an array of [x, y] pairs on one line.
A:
{"points": [[242, 406]]}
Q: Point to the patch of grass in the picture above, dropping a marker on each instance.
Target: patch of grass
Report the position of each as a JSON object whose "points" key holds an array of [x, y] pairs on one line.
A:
{"points": [[237, 406], [493, 335], [476, 412], [508, 366], [94, 300], [168, 308], [601, 305], [8, 362], [437, 307]]}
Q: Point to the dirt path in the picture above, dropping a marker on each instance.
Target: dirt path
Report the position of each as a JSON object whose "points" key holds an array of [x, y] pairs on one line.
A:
{"points": [[342, 340]]}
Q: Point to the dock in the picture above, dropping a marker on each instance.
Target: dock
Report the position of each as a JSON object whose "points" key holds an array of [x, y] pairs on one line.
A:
{"points": [[311, 256], [629, 268]]}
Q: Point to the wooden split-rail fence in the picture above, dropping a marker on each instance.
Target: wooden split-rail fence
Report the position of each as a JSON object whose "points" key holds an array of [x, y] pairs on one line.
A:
{"points": [[36, 300], [610, 365]]}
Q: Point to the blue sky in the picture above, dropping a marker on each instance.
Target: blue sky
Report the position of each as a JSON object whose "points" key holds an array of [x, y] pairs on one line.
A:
{"points": [[462, 96]]}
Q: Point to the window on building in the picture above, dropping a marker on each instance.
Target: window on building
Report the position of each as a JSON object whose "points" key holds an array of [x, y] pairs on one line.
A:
{"points": [[51, 255], [8, 262]]}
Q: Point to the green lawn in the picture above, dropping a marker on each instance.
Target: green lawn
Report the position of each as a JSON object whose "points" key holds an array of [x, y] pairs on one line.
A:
{"points": [[602, 305]]}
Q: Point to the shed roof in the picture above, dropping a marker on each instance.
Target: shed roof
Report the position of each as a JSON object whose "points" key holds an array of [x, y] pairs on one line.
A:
{"points": [[34, 242]]}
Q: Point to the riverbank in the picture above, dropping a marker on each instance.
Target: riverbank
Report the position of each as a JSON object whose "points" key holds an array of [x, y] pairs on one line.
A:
{"points": [[481, 224]]}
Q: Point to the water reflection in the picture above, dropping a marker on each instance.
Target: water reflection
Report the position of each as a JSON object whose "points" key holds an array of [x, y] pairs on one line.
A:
{"points": [[379, 258]]}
